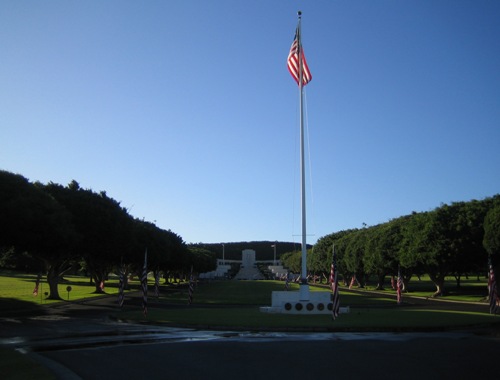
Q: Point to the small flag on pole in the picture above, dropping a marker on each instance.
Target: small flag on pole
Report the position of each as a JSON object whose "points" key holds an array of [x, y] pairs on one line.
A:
{"points": [[191, 287], [121, 287], [37, 284], [157, 284], [492, 289], [399, 287], [334, 283], [353, 279], [144, 283], [296, 61]]}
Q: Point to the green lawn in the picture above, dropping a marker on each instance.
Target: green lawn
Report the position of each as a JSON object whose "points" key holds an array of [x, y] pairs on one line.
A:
{"points": [[359, 319], [236, 303], [20, 287], [472, 289]]}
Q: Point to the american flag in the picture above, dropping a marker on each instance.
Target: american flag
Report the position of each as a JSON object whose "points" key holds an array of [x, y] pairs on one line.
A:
{"points": [[296, 59], [353, 280], [334, 283], [191, 287], [157, 284], [144, 283], [121, 287], [492, 289], [399, 287], [37, 283]]}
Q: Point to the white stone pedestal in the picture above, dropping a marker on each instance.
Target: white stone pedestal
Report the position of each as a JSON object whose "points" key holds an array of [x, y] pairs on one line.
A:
{"points": [[301, 302]]}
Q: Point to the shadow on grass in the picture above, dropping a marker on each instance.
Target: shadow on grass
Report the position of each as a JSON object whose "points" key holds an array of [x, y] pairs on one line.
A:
{"points": [[10, 307], [368, 319]]}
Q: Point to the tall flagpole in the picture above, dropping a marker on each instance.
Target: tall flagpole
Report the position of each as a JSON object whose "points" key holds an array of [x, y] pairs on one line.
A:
{"points": [[294, 302], [304, 287]]}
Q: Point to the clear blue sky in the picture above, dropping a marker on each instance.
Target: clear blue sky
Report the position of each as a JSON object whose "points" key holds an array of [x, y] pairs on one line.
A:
{"points": [[184, 111]]}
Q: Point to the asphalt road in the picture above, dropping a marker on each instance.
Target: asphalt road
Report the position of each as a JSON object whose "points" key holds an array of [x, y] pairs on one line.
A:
{"points": [[388, 356]]}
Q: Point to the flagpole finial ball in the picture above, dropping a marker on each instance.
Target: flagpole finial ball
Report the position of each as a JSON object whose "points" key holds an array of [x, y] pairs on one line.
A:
{"points": [[299, 13]]}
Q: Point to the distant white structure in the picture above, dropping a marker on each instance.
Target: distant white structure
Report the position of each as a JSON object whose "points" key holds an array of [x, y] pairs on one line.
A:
{"points": [[248, 258], [219, 272], [248, 267]]}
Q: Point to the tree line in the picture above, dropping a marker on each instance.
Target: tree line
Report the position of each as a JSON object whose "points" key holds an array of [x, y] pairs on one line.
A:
{"points": [[452, 240], [52, 229], [264, 250]]}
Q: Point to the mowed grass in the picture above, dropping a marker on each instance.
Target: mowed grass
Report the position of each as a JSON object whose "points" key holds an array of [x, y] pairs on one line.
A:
{"points": [[472, 288], [358, 319], [235, 304], [20, 287], [16, 291]]}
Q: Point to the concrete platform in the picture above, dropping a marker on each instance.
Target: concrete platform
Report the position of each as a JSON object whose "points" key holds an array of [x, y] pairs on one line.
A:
{"points": [[300, 302]]}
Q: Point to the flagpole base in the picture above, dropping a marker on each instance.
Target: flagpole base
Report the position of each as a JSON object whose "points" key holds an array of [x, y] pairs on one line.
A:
{"points": [[292, 302], [304, 292]]}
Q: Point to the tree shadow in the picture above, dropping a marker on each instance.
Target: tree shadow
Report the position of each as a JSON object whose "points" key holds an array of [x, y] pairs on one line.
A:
{"points": [[11, 307]]}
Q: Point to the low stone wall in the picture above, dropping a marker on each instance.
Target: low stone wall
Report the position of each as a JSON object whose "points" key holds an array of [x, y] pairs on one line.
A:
{"points": [[291, 302]]}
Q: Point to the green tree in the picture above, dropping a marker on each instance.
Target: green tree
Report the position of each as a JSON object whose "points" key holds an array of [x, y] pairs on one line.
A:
{"points": [[325, 245], [105, 227], [435, 241], [166, 250], [35, 222], [354, 248], [200, 259], [317, 263], [491, 239], [382, 246], [467, 247], [292, 261]]}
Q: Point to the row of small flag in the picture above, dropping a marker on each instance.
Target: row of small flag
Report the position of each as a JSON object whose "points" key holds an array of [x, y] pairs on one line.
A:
{"points": [[492, 287], [398, 286], [334, 285], [144, 286]]}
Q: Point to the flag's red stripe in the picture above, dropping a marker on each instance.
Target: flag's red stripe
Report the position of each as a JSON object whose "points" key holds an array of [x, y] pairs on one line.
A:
{"points": [[293, 63]]}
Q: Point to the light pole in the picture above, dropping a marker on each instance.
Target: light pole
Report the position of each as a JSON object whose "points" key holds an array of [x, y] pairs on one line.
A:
{"points": [[274, 246], [223, 261]]}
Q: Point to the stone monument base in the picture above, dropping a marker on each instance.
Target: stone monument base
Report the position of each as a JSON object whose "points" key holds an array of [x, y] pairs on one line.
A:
{"points": [[301, 302]]}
